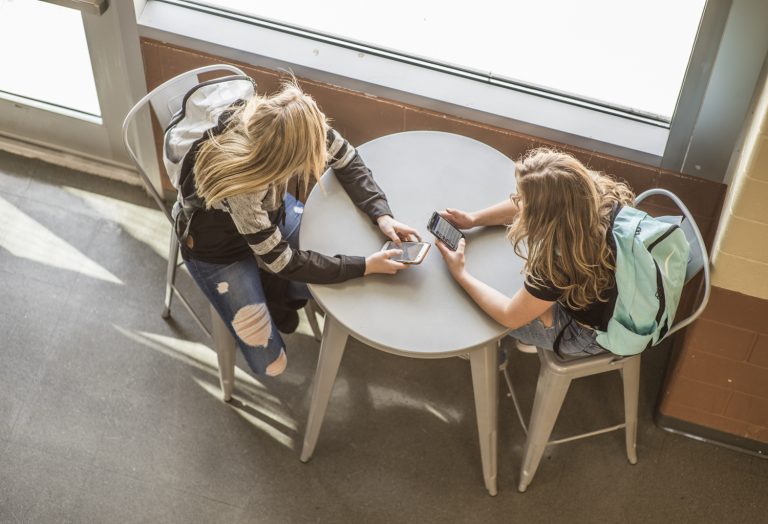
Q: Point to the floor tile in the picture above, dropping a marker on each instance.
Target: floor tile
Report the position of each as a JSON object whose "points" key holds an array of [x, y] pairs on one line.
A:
{"points": [[36, 486], [111, 497]]}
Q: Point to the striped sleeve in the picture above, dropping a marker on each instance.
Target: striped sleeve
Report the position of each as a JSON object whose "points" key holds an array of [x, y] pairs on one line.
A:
{"points": [[277, 255], [340, 152], [355, 177], [263, 237]]}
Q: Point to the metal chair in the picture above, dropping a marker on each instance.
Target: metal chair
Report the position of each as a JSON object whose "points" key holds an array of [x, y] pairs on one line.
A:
{"points": [[165, 102], [556, 374]]}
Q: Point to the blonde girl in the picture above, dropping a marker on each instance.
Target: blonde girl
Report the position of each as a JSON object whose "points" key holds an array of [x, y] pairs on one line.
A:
{"points": [[238, 224]]}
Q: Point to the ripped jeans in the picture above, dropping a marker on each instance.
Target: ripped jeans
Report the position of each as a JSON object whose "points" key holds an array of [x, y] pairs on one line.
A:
{"points": [[576, 340], [236, 292]]}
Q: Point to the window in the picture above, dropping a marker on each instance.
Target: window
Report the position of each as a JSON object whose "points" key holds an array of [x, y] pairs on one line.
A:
{"points": [[629, 57], [55, 70]]}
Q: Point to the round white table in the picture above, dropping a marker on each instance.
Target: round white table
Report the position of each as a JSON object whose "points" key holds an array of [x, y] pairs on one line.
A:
{"points": [[421, 312]]}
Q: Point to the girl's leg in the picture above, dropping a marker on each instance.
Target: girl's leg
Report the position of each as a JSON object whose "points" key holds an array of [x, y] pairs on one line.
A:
{"points": [[236, 293], [294, 210], [576, 340]]}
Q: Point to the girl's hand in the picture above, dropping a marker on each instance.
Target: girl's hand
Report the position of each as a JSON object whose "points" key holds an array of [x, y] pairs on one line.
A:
{"points": [[397, 231], [453, 259], [380, 262], [460, 219]]}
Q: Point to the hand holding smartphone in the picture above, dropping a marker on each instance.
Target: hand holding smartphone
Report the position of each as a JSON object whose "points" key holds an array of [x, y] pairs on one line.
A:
{"points": [[446, 232], [413, 252]]}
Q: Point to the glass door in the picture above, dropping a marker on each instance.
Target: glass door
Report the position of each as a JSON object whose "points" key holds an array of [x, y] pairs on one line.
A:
{"points": [[54, 71], [68, 78]]}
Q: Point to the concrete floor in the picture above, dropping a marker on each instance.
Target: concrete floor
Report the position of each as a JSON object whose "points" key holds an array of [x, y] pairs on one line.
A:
{"points": [[108, 413]]}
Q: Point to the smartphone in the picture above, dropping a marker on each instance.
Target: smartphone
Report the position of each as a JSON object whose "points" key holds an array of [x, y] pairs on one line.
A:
{"points": [[446, 232], [413, 252]]}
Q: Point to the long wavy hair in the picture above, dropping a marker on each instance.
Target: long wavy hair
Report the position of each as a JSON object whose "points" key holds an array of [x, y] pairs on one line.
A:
{"points": [[560, 230], [267, 141]]}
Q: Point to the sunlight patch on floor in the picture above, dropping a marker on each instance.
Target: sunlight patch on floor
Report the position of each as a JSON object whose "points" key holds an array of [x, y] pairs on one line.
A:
{"points": [[198, 356], [387, 398], [148, 226], [252, 413], [25, 237]]}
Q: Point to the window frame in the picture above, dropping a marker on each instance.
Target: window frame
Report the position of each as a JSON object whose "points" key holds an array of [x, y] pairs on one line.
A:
{"points": [[72, 138], [416, 81], [685, 145], [725, 68]]}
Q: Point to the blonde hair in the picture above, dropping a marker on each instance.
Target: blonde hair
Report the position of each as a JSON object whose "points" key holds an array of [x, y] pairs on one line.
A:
{"points": [[266, 142], [565, 212]]}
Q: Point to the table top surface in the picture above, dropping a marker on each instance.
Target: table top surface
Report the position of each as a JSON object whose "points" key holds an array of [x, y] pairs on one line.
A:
{"points": [[421, 311]]}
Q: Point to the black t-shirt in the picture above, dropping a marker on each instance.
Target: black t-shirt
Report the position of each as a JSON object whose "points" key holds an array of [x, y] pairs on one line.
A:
{"points": [[596, 314]]}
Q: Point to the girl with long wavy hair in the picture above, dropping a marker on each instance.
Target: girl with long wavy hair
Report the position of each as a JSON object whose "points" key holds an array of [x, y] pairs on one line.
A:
{"points": [[236, 153], [559, 221]]}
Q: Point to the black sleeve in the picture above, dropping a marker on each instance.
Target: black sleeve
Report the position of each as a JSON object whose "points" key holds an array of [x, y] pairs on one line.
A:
{"points": [[544, 291], [355, 177], [316, 268]]}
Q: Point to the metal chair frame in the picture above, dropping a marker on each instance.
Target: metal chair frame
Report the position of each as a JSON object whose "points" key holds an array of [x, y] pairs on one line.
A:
{"points": [[165, 101], [556, 374]]}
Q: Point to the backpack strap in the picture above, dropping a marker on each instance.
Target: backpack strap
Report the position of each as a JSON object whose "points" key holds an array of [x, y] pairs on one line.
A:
{"points": [[611, 304], [660, 284]]}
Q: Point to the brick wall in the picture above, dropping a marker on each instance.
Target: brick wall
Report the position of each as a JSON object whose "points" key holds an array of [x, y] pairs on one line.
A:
{"points": [[720, 380]]}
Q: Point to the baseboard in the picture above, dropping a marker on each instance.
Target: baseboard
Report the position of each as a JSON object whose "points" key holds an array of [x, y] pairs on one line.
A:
{"points": [[69, 159], [712, 436]]}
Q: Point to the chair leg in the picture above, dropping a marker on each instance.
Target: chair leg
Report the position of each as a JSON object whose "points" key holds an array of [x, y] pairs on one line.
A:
{"points": [[311, 310], [504, 368], [630, 375], [331, 350], [550, 393], [224, 343], [170, 273]]}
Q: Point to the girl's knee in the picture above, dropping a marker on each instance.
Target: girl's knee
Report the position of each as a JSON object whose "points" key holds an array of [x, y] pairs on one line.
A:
{"points": [[253, 324], [278, 365]]}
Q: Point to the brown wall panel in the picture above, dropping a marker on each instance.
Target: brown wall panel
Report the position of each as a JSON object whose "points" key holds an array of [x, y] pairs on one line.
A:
{"points": [[361, 117], [724, 352], [759, 356]]}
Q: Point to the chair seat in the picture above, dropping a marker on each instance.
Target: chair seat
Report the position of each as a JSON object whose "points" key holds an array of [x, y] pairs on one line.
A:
{"points": [[576, 367]]}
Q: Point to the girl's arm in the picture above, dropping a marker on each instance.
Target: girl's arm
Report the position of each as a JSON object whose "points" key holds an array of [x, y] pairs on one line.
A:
{"points": [[357, 180], [512, 312], [501, 214]]}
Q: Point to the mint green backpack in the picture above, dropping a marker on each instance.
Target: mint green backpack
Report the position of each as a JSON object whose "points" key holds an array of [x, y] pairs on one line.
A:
{"points": [[651, 259]]}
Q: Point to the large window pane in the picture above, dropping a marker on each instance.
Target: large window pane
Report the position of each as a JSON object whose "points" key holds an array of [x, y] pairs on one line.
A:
{"points": [[621, 53], [45, 55]]}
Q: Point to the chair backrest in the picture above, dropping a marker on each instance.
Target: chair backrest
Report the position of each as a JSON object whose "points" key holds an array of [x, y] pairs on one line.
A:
{"points": [[165, 101], [698, 258]]}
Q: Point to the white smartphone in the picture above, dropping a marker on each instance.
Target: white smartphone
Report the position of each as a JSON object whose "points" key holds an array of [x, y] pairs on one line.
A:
{"points": [[413, 252]]}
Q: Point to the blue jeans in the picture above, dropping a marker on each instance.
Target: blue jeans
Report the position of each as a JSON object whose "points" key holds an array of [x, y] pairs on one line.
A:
{"points": [[236, 292], [577, 340]]}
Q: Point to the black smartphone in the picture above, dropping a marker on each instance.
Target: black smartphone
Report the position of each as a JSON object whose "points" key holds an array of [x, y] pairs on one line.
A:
{"points": [[446, 232], [413, 252]]}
